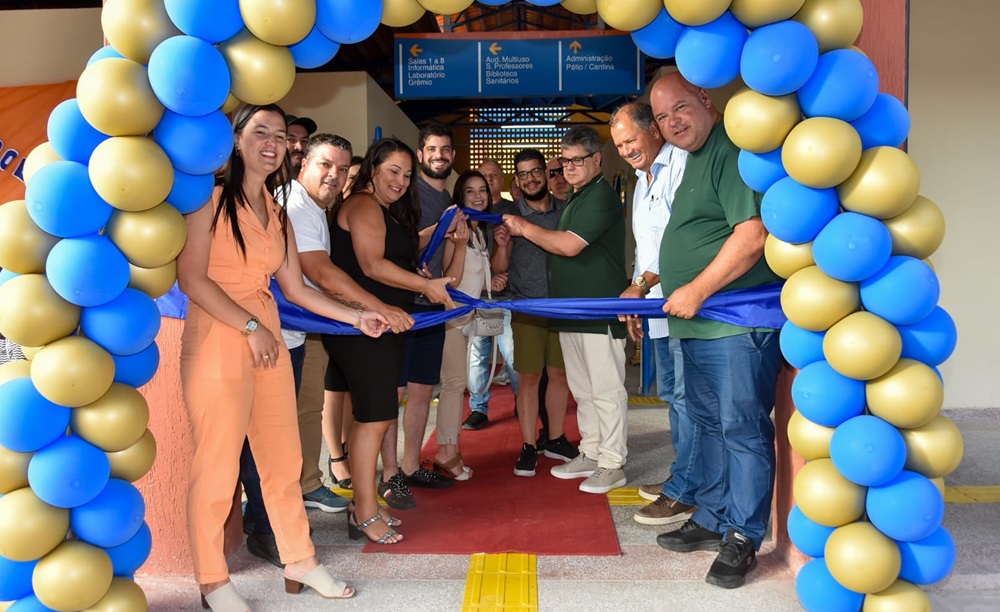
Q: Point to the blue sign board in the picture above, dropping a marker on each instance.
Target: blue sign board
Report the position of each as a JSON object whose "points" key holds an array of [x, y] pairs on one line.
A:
{"points": [[514, 65]]}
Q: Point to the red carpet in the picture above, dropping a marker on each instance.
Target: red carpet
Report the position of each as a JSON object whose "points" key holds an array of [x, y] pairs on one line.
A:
{"points": [[495, 511]]}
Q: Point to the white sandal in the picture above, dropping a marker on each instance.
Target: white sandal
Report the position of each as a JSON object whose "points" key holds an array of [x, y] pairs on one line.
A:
{"points": [[224, 599], [320, 580]]}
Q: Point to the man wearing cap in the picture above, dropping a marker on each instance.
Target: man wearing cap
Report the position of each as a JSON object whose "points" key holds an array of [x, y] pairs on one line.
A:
{"points": [[297, 133]]}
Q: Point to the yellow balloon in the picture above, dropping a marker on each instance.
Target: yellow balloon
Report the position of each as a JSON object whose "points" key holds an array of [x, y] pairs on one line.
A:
{"points": [[14, 369], [32, 313], [836, 23], [281, 23], [628, 15], [696, 13], [810, 441], [909, 395], [41, 155], [902, 596], [135, 461], [939, 483], [231, 104], [13, 470], [131, 173], [918, 231], [760, 123], [29, 527], [580, 7], [821, 152], [135, 27], [884, 185], [934, 449], [785, 258], [31, 351], [123, 596], [446, 7], [862, 346], [755, 13], [401, 13], [74, 576], [261, 73], [114, 422], [73, 371], [862, 559], [150, 238], [23, 245], [825, 496], [814, 301], [116, 98], [154, 282]]}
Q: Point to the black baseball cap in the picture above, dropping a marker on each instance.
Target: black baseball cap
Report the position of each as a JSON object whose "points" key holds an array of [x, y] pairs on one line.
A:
{"points": [[305, 122]]}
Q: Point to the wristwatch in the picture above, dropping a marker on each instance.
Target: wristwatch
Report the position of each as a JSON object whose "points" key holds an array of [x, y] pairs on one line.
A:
{"points": [[251, 326], [641, 283]]}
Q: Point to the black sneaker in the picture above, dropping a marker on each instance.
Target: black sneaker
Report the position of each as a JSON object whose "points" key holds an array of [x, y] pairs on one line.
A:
{"points": [[526, 463], [543, 440], [690, 537], [560, 448], [264, 547], [396, 494], [426, 478], [475, 420], [735, 560]]}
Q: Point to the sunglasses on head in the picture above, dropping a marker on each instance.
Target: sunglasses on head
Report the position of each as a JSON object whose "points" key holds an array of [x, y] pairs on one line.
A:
{"points": [[553, 172]]}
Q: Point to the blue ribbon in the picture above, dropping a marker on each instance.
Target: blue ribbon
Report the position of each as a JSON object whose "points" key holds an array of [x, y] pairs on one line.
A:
{"points": [[442, 228]]}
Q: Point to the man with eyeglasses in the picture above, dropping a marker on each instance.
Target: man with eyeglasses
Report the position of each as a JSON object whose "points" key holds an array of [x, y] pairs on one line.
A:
{"points": [[557, 182], [587, 260]]}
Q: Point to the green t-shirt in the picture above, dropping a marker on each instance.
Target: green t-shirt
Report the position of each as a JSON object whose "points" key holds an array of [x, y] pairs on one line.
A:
{"points": [[710, 201], [595, 214]]}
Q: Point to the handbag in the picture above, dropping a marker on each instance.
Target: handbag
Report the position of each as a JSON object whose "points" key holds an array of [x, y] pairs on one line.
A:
{"points": [[485, 321]]}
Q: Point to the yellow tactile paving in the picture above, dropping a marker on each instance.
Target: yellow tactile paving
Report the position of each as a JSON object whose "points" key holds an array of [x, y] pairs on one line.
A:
{"points": [[625, 496], [972, 495], [646, 401], [508, 581]]}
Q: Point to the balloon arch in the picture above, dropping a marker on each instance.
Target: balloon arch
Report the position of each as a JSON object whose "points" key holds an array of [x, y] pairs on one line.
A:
{"points": [[101, 224]]}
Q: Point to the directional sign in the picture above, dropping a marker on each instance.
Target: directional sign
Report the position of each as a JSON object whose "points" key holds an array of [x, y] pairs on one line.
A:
{"points": [[517, 64]]}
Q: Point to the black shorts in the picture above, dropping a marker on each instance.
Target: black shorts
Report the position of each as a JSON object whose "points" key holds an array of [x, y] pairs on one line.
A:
{"points": [[370, 369], [424, 348]]}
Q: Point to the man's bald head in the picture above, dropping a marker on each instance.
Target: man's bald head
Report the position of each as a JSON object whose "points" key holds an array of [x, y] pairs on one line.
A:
{"points": [[683, 111]]}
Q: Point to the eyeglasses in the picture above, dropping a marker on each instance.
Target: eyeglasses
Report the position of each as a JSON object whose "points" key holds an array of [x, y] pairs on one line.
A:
{"points": [[554, 172], [576, 161], [535, 172]]}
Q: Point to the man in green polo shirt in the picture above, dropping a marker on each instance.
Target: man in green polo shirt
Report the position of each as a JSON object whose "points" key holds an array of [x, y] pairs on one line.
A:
{"points": [[587, 259]]}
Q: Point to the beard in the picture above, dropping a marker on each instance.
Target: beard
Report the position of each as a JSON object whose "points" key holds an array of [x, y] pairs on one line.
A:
{"points": [[537, 196], [434, 174]]}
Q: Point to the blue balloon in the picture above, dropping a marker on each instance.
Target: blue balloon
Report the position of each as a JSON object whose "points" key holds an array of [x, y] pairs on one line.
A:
{"points": [[213, 21], [908, 508], [189, 76], [795, 213], [825, 396], [69, 472], [930, 340], [929, 560], [886, 124], [195, 145], [129, 557], [807, 535], [800, 347], [819, 591], [112, 518], [62, 202], [539, 2], [709, 55], [138, 369], [852, 247], [87, 271], [494, 2], [659, 38], [868, 451], [6, 275], [15, 578], [779, 58], [190, 192], [904, 292], [105, 52], [844, 85], [28, 421], [348, 22], [124, 326], [314, 50], [761, 170], [29, 603], [71, 137]]}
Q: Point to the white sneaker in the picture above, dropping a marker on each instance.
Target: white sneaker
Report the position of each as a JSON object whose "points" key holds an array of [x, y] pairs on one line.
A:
{"points": [[580, 467], [603, 480]]}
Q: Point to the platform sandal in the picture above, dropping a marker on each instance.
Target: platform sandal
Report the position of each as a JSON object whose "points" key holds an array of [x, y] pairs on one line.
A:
{"points": [[355, 530]]}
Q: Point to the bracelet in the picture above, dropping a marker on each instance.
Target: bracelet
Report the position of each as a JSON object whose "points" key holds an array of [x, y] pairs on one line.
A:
{"points": [[357, 325]]}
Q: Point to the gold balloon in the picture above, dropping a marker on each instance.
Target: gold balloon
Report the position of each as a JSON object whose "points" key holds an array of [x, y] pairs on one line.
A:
{"points": [[902, 596], [810, 441], [14, 369], [755, 13], [231, 104], [935, 449], [862, 346], [580, 7], [32, 313], [814, 301], [825, 496], [132, 463], [74, 576], [918, 231], [114, 422], [760, 123], [73, 371], [29, 527], [401, 13], [785, 258], [131, 173], [31, 351], [862, 559], [123, 596], [40, 156], [150, 238], [446, 7], [836, 23], [261, 73], [821, 152], [909, 395], [13, 470], [696, 13], [23, 245], [884, 185], [116, 98], [628, 15], [281, 23], [939, 483], [154, 282], [135, 27]]}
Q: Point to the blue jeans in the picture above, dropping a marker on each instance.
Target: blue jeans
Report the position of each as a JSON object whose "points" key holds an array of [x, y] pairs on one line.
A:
{"points": [[730, 384], [685, 472], [479, 365]]}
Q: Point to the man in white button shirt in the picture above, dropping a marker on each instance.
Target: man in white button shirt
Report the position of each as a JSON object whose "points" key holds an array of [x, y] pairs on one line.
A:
{"points": [[659, 168]]}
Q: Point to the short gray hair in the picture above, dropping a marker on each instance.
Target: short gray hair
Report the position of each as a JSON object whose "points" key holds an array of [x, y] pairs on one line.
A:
{"points": [[584, 136]]}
